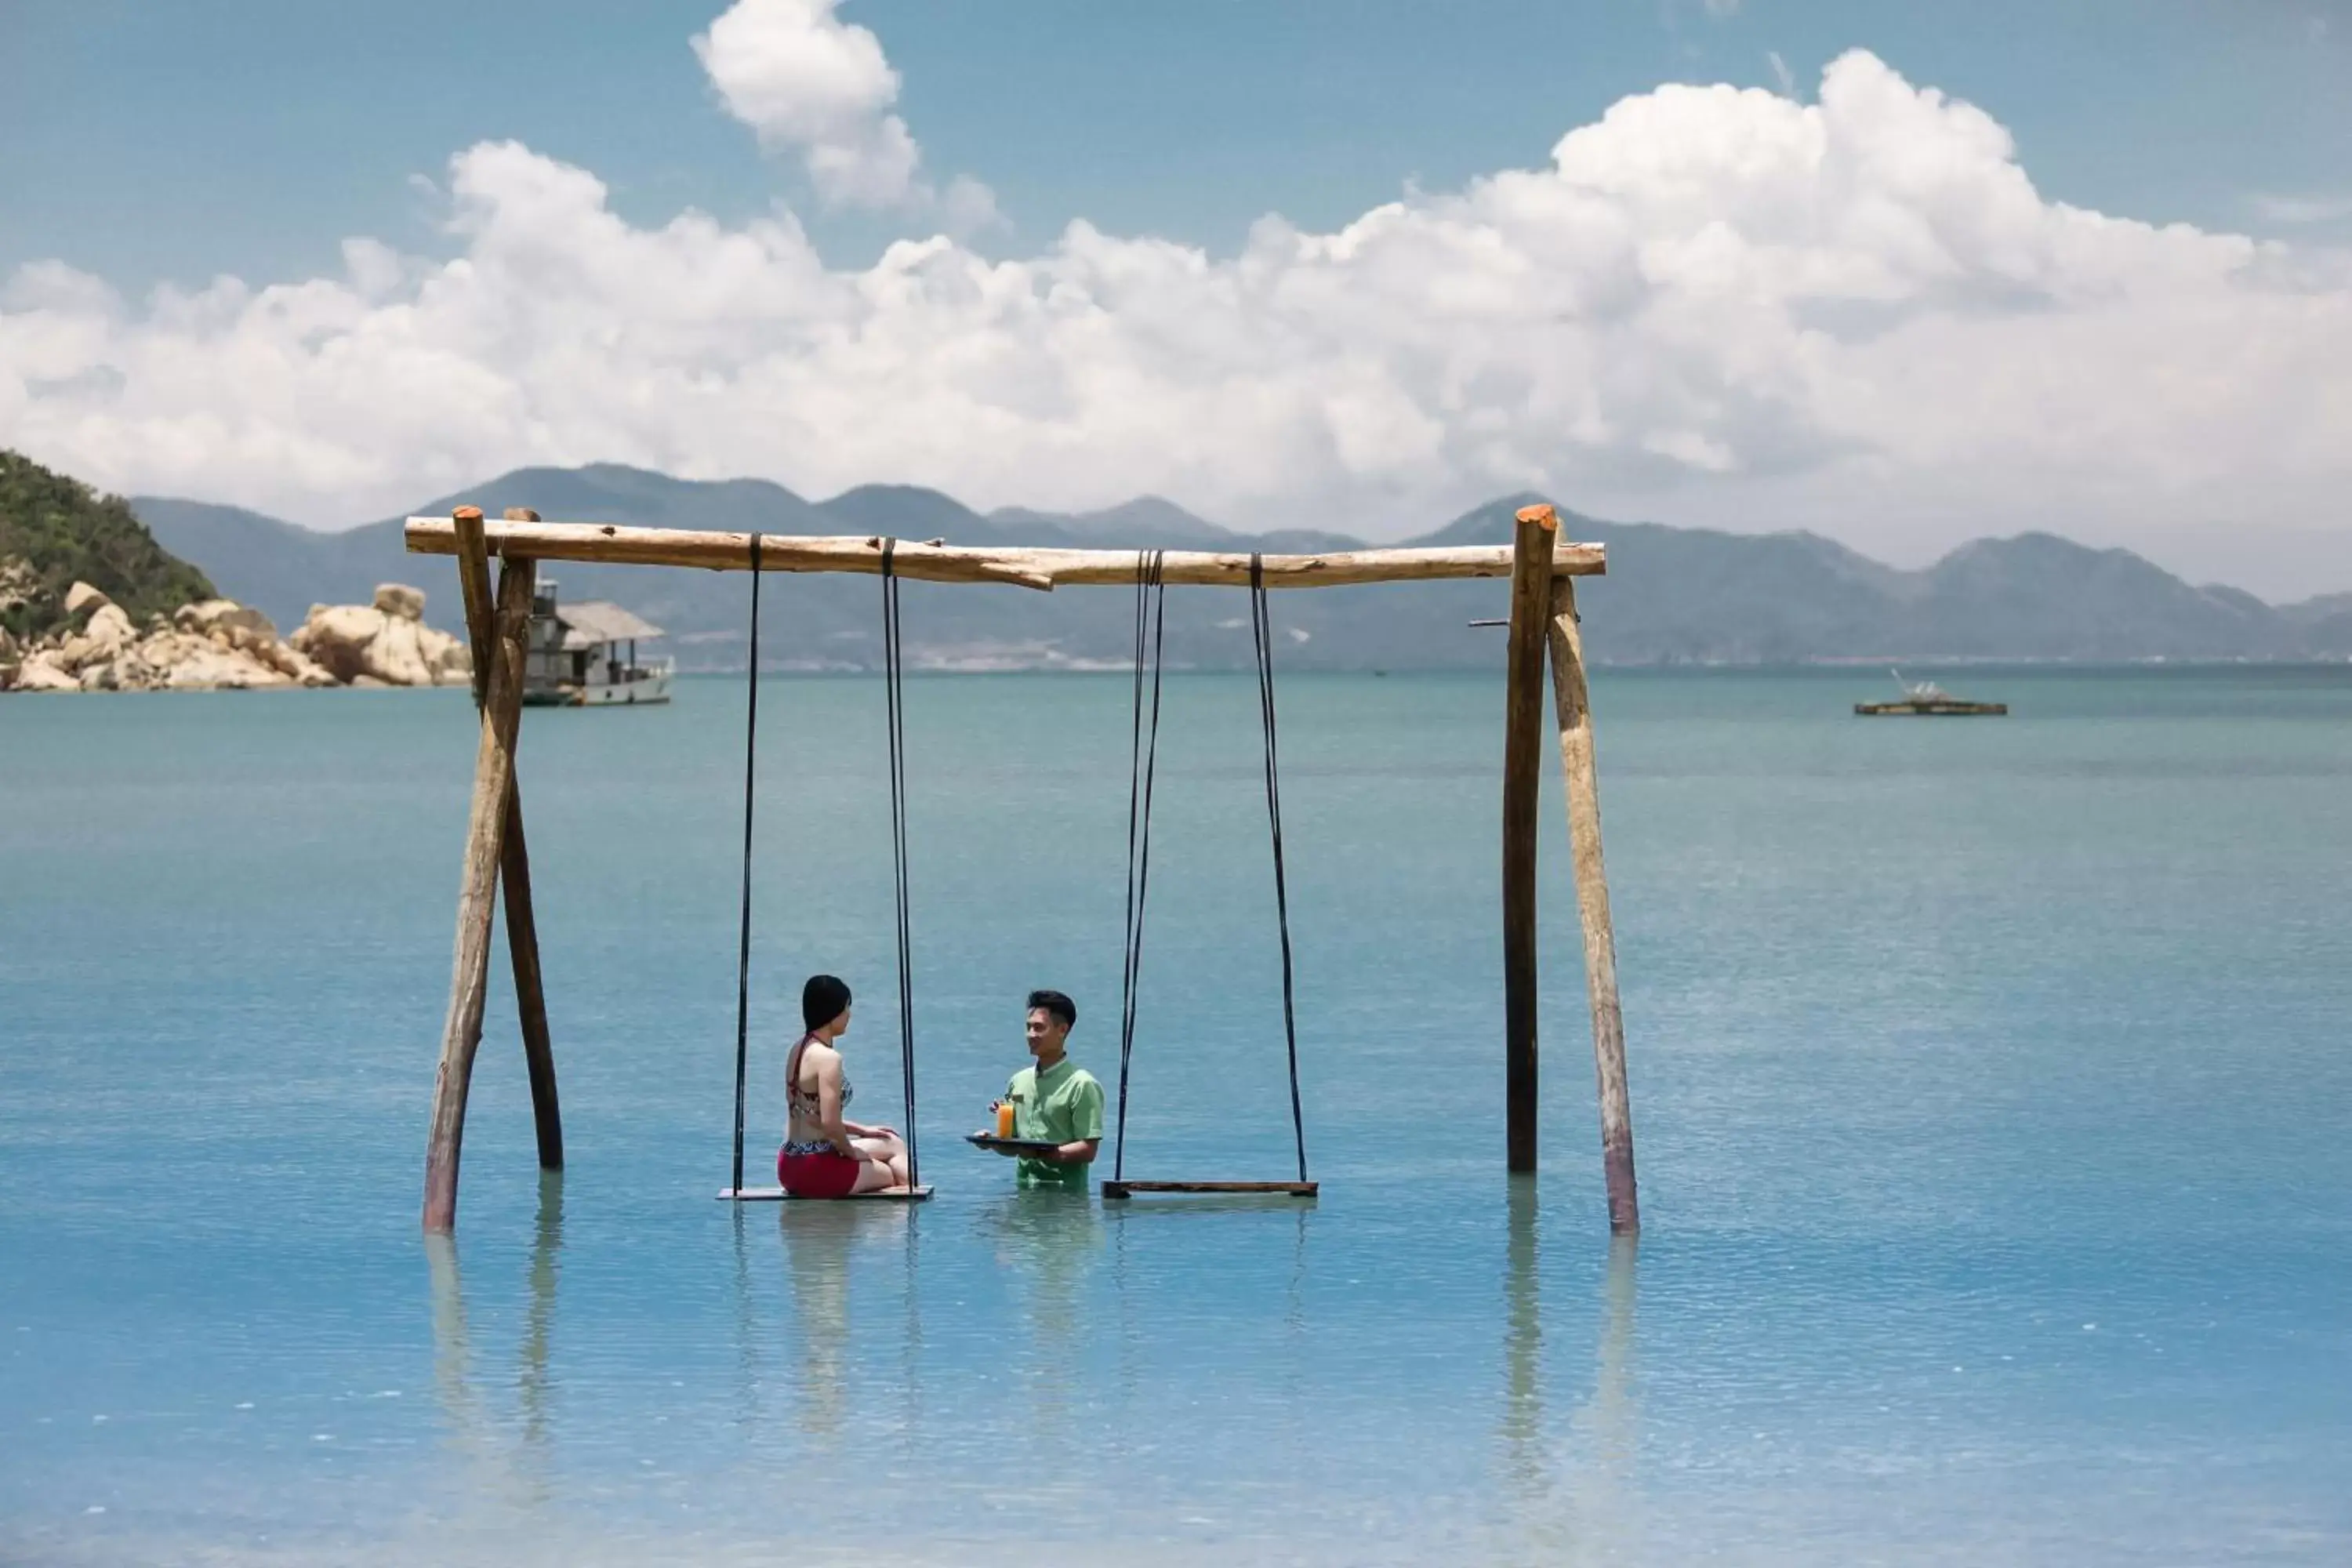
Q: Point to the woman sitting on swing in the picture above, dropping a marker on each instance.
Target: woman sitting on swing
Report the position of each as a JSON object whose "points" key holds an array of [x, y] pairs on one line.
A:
{"points": [[826, 1154]]}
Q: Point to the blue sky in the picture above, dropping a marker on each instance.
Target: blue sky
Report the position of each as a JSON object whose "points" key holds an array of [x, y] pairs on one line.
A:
{"points": [[148, 142], [1905, 275]]}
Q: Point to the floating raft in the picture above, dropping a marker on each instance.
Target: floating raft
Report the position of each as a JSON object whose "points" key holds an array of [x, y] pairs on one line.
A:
{"points": [[1929, 708]]}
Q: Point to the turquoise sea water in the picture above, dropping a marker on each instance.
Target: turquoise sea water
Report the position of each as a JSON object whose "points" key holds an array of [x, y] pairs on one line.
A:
{"points": [[1991, 1082]]}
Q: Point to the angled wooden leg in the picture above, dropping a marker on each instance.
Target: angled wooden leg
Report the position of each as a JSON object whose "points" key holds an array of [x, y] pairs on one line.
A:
{"points": [[461, 1033], [1572, 705], [522, 944], [514, 876]]}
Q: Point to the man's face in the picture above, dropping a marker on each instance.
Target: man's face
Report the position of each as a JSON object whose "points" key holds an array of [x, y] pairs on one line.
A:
{"points": [[1046, 1033]]}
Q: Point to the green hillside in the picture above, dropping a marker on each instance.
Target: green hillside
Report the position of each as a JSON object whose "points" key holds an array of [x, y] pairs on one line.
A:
{"points": [[56, 531]]}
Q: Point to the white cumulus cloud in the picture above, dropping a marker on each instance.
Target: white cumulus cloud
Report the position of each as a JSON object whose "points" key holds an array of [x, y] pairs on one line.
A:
{"points": [[808, 82], [1712, 304]]}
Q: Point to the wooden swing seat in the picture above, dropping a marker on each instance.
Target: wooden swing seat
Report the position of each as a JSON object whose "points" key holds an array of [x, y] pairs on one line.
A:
{"points": [[778, 1194], [1116, 1190]]}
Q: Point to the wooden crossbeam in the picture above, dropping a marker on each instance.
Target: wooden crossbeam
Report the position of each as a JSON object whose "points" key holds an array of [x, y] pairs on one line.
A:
{"points": [[936, 563]]}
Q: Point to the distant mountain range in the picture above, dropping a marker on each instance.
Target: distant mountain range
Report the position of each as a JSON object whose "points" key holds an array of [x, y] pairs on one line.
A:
{"points": [[1672, 596]]}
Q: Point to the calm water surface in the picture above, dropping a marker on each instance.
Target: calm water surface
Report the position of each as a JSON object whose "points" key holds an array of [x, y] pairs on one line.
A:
{"points": [[1990, 1081]]}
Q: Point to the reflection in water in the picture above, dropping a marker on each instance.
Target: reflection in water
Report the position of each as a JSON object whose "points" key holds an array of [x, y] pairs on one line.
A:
{"points": [[533, 1386], [820, 1244], [1608, 1426], [910, 1365], [817, 1245], [1297, 1405], [1595, 1521], [746, 1337], [475, 1431], [1052, 1237], [1525, 1464], [451, 1354], [471, 1430]]}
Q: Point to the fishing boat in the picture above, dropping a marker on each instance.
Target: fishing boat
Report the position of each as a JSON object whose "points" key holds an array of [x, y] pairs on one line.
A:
{"points": [[585, 655], [1925, 699]]}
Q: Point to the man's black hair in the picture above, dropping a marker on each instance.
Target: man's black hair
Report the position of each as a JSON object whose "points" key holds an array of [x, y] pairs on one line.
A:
{"points": [[823, 999], [1059, 1006]]}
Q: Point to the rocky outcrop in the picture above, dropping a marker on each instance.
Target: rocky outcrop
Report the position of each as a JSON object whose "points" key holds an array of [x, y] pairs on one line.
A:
{"points": [[386, 642], [211, 646], [218, 645]]}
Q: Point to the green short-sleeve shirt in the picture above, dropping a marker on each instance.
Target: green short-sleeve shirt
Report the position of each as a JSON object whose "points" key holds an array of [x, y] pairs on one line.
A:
{"points": [[1065, 1106]]}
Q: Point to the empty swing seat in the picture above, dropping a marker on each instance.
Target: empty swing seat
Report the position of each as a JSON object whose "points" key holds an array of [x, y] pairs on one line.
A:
{"points": [[1115, 1189], [1143, 764]]}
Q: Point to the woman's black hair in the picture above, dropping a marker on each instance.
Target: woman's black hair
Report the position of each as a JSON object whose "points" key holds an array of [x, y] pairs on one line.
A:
{"points": [[1059, 1006], [823, 999]]}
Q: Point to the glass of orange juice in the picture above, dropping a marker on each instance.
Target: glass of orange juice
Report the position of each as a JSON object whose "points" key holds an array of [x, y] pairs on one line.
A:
{"points": [[1005, 1119]]}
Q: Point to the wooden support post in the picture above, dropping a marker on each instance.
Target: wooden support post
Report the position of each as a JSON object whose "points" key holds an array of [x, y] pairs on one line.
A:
{"points": [[1531, 579], [514, 870], [1572, 705], [461, 1033]]}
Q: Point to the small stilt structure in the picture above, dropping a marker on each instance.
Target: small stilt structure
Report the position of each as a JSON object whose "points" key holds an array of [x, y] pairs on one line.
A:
{"points": [[1542, 629]]}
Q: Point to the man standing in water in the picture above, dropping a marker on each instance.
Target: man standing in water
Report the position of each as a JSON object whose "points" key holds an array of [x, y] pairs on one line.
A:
{"points": [[1056, 1101]]}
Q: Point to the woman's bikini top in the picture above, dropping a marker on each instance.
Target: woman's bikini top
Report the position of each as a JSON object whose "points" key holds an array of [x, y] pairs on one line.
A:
{"points": [[802, 1104]]}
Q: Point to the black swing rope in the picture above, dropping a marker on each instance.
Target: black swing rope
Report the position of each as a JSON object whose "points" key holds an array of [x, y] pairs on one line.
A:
{"points": [[1150, 624], [744, 956], [1262, 632], [894, 690], [893, 687], [1143, 754]]}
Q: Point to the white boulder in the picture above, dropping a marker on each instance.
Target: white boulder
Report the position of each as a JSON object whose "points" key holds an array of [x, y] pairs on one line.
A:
{"points": [[82, 596], [224, 620], [400, 601], [43, 671], [385, 643], [109, 629]]}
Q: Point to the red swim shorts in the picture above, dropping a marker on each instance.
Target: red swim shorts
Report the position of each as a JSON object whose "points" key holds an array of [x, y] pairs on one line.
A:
{"points": [[826, 1173]]}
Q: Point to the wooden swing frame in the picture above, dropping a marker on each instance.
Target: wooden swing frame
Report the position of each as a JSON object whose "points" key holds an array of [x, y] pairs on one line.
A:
{"points": [[1543, 629]]}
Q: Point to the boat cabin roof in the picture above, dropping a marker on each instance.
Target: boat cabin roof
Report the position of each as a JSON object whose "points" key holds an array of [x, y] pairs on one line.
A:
{"points": [[599, 621]]}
